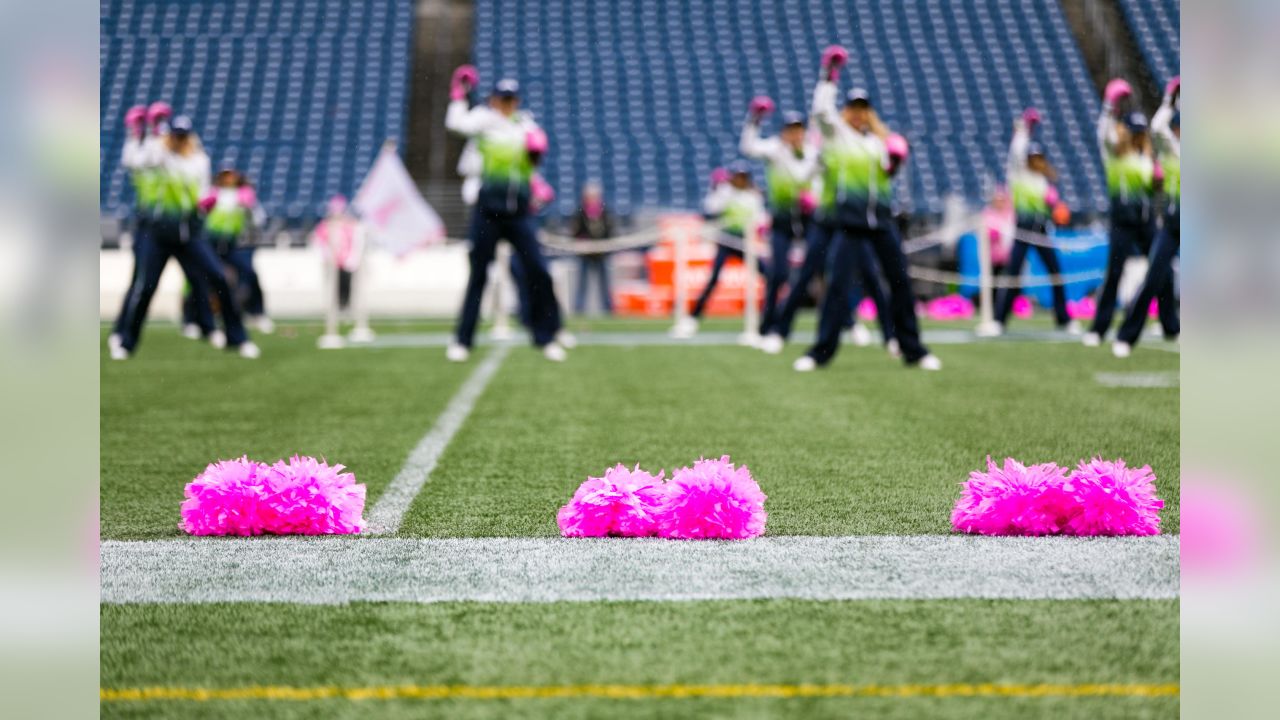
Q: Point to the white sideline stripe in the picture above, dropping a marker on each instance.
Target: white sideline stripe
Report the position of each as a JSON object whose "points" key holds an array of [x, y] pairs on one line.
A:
{"points": [[799, 341], [339, 570], [1137, 379], [388, 513]]}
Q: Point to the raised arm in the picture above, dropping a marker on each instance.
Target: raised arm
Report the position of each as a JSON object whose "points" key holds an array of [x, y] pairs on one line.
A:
{"points": [[1161, 131], [824, 95], [1108, 137], [1017, 160], [460, 117]]}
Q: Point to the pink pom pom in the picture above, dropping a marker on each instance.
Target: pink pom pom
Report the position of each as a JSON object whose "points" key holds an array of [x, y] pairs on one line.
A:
{"points": [[225, 498], [535, 141], [1111, 499], [1022, 308], [1083, 309], [245, 497], [713, 499], [309, 497], [623, 502], [867, 309], [1014, 500], [247, 197], [950, 307]]}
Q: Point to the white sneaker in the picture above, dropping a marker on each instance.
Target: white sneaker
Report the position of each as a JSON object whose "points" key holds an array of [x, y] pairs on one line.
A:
{"points": [[191, 331], [218, 339], [456, 352], [804, 363], [249, 350], [361, 334], [930, 362], [264, 325], [119, 353], [554, 352], [1091, 339], [1121, 349], [859, 335], [330, 342], [566, 339], [989, 330], [893, 348], [772, 344], [114, 341], [685, 328], [1074, 328]]}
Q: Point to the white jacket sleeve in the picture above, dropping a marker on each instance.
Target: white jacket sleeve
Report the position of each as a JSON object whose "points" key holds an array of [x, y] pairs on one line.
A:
{"points": [[1107, 137], [134, 156], [754, 146], [1161, 133], [717, 200], [464, 120], [1017, 162], [824, 108]]}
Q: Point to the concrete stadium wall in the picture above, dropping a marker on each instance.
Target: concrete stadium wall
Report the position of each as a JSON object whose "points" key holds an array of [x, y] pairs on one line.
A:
{"points": [[426, 283]]}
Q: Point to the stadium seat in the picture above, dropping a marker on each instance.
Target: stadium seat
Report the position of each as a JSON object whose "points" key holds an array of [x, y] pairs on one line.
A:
{"points": [[647, 97], [1156, 25], [270, 84]]}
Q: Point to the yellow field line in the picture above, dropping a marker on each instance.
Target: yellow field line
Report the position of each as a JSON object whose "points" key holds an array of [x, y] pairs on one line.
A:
{"points": [[627, 692]]}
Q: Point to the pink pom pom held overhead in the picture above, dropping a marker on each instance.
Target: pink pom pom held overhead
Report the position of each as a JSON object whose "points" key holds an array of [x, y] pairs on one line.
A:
{"points": [[1013, 500], [1112, 499], [713, 499], [304, 496], [760, 106], [623, 502]]}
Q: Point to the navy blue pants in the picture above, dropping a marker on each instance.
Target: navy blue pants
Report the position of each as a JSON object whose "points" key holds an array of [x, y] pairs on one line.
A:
{"points": [[203, 268], [248, 289], [1049, 256], [141, 235], [815, 261], [786, 228], [842, 272], [1158, 285], [1125, 237], [487, 229], [723, 253], [588, 264], [240, 258]]}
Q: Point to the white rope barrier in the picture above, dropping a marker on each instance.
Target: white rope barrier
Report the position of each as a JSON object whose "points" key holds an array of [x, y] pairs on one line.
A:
{"points": [[942, 277]]}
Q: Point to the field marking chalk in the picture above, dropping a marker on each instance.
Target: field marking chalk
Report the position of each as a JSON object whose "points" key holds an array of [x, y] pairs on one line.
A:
{"points": [[340, 570], [388, 513]]}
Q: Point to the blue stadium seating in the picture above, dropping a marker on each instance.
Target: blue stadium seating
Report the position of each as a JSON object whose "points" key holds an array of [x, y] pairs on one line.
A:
{"points": [[648, 95], [1156, 25], [298, 94]]}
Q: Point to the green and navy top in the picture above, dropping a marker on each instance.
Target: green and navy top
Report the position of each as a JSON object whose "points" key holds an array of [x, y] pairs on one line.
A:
{"points": [[788, 172], [738, 210], [505, 166], [1131, 177], [857, 190], [1028, 189], [145, 177]]}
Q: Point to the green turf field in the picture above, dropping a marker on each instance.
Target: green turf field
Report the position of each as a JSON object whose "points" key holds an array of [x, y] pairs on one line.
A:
{"points": [[865, 447]]}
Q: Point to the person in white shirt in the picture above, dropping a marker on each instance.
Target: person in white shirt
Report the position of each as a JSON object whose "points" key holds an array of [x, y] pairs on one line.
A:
{"points": [[502, 212], [791, 163], [1030, 178], [183, 179], [738, 205], [1166, 137], [860, 156]]}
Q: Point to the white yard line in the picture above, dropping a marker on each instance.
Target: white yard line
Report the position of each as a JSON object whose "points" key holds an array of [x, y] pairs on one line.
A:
{"points": [[339, 570], [388, 513], [1137, 379]]}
